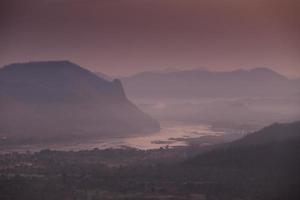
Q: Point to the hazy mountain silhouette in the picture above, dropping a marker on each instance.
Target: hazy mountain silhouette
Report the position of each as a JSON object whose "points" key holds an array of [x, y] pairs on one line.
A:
{"points": [[258, 82], [104, 76], [60, 98]]}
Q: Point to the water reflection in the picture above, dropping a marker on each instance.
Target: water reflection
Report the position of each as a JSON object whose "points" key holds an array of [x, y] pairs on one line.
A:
{"points": [[171, 134]]}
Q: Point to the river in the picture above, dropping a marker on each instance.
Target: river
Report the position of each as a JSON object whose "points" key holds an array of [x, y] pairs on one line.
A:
{"points": [[171, 134]]}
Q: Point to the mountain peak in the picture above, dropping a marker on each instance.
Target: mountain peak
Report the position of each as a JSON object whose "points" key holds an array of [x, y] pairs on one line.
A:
{"points": [[48, 71], [41, 64], [56, 98], [54, 79], [262, 71]]}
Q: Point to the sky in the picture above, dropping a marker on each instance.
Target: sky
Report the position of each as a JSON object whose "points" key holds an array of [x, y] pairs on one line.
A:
{"points": [[122, 37]]}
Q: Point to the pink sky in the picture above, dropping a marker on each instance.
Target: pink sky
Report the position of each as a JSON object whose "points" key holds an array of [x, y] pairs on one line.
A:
{"points": [[121, 37]]}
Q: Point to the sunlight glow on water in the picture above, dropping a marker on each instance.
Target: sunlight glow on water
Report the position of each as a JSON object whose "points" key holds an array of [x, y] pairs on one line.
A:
{"points": [[169, 135]]}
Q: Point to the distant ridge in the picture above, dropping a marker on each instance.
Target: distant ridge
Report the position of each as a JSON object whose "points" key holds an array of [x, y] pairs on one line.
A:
{"points": [[257, 82]]}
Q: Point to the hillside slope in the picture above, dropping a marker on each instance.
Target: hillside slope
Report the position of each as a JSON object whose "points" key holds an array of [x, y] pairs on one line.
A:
{"points": [[59, 98]]}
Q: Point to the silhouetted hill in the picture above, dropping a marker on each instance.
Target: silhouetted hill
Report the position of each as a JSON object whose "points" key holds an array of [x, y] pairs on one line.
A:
{"points": [[104, 76], [256, 144], [276, 147], [273, 133], [262, 165], [258, 82], [58, 98]]}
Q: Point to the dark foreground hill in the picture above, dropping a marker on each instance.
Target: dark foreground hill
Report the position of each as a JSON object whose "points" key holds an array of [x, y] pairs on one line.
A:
{"points": [[59, 98], [274, 133], [262, 165], [271, 145], [274, 146]]}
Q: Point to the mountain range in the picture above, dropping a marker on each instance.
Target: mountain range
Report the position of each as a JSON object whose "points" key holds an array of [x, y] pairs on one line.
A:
{"points": [[59, 98], [194, 84]]}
